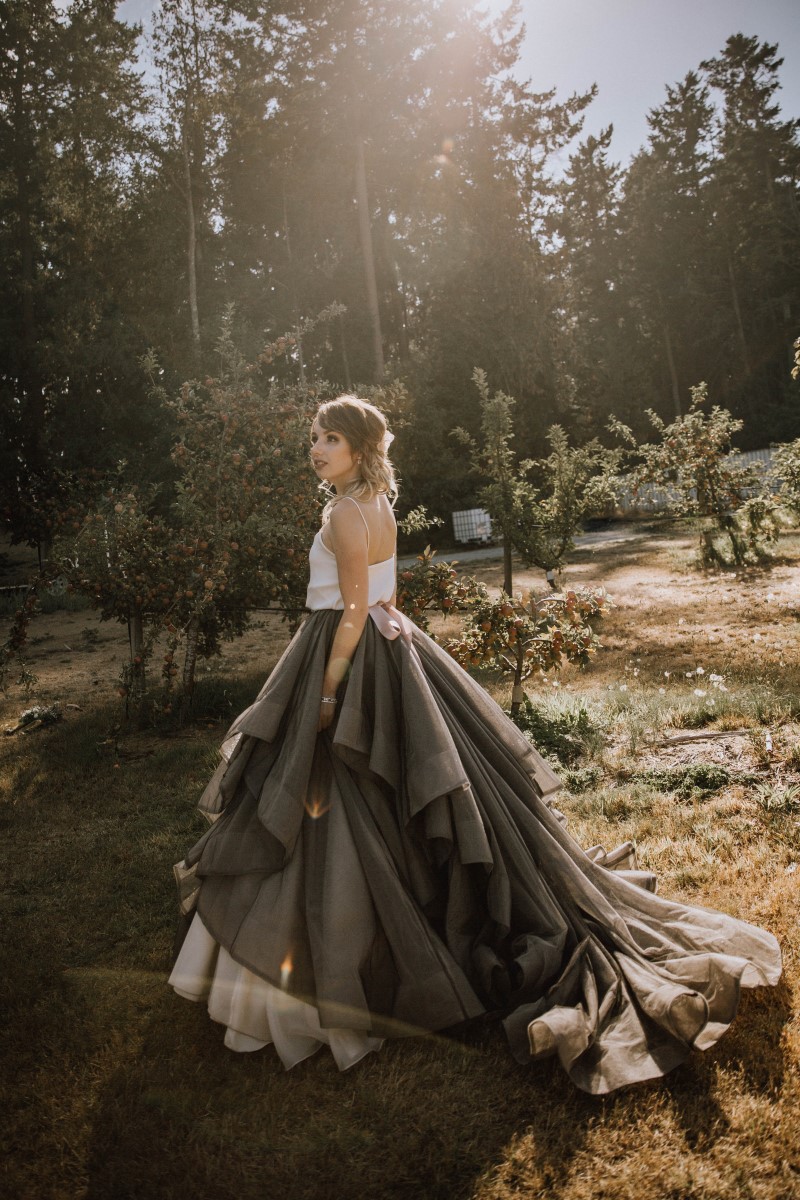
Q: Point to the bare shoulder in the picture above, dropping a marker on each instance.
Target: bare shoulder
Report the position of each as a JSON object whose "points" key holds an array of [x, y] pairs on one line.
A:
{"points": [[347, 526], [387, 512]]}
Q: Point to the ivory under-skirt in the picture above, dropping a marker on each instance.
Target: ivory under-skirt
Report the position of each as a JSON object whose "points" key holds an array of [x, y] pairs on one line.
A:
{"points": [[255, 1013], [406, 871]]}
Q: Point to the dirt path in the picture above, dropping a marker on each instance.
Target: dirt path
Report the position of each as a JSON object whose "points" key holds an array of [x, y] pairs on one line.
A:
{"points": [[674, 618]]}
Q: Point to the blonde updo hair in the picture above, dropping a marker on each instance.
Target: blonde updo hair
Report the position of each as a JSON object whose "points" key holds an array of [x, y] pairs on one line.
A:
{"points": [[364, 426]]}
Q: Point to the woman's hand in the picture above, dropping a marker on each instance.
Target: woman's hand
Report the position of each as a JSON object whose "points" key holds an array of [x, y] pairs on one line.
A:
{"points": [[326, 715]]}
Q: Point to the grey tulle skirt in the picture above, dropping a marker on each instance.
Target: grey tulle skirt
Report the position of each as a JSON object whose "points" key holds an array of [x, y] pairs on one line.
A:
{"points": [[406, 870]]}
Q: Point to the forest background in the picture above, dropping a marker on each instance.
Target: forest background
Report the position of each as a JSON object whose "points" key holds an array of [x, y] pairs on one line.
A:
{"points": [[384, 158]]}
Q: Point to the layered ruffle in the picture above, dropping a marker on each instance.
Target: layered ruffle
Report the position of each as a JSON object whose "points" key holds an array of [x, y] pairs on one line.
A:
{"points": [[406, 870], [255, 1013]]}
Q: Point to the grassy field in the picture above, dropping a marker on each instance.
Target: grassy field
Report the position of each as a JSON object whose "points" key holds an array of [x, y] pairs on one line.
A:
{"points": [[684, 735]]}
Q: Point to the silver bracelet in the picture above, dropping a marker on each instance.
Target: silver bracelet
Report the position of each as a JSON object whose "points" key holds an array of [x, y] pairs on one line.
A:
{"points": [[328, 700]]}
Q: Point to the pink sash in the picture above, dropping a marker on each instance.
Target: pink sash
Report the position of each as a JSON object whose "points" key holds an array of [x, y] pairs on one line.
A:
{"points": [[390, 622]]}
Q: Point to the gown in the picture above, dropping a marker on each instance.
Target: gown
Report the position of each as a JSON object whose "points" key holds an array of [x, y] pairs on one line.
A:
{"points": [[406, 871]]}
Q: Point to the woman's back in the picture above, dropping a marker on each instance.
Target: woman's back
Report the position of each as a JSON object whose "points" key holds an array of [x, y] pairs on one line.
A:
{"points": [[381, 529], [380, 524]]}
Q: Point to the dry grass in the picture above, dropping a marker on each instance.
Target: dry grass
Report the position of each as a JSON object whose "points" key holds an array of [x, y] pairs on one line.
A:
{"points": [[115, 1088]]}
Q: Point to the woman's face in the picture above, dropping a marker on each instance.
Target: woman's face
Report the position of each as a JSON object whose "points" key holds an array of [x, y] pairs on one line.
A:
{"points": [[332, 456]]}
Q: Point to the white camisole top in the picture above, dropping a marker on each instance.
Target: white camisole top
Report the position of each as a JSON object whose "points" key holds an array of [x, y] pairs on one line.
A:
{"points": [[323, 584]]}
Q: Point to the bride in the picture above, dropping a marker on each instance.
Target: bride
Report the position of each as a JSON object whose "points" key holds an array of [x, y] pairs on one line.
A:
{"points": [[384, 857]]}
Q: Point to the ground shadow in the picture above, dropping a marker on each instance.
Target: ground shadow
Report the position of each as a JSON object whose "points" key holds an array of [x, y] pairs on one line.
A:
{"points": [[424, 1117], [752, 1048]]}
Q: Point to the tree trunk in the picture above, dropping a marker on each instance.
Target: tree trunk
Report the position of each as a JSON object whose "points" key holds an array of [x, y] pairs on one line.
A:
{"points": [[738, 311], [508, 578], [30, 376], [402, 315], [136, 643], [673, 374], [368, 257], [517, 692], [191, 245], [292, 291], [345, 360], [398, 334], [189, 665]]}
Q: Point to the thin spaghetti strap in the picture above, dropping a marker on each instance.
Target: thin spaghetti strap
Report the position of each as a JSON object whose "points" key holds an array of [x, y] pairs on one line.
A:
{"points": [[363, 518]]}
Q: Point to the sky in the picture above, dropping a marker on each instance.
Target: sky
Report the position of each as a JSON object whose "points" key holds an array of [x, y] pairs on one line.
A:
{"points": [[631, 49]]}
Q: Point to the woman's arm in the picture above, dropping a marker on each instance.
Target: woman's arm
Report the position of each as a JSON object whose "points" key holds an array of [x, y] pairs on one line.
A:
{"points": [[348, 534]]}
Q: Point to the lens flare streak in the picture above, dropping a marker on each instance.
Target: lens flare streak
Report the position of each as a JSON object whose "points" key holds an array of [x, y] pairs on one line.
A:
{"points": [[316, 809]]}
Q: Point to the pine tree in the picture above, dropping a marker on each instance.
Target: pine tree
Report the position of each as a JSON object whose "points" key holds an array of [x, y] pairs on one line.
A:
{"points": [[754, 198], [70, 107], [599, 373], [665, 221]]}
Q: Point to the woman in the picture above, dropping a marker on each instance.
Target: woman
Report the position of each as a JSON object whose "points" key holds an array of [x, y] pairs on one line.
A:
{"points": [[384, 856]]}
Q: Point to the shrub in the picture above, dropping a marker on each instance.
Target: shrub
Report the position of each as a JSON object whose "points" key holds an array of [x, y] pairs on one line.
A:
{"points": [[785, 473], [565, 735], [520, 635], [193, 560], [692, 460], [538, 504], [434, 586], [694, 780]]}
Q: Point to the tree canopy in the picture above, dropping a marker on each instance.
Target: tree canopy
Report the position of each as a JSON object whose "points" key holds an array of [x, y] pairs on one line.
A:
{"points": [[388, 159]]}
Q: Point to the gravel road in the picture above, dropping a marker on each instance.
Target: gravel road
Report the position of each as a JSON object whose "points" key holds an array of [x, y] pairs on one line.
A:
{"points": [[622, 532]]}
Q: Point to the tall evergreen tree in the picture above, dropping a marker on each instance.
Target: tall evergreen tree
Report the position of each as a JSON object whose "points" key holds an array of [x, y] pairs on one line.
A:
{"points": [[482, 292], [186, 53], [600, 374], [70, 110], [756, 231], [665, 221], [31, 45]]}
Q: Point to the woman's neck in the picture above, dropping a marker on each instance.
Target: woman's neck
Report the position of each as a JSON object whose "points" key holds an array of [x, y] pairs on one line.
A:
{"points": [[341, 489]]}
